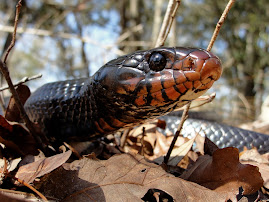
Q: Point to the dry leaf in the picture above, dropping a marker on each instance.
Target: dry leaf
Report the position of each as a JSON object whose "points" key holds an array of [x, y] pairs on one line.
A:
{"points": [[163, 143], [16, 196], [134, 139], [224, 173], [16, 137], [179, 153], [12, 112], [200, 142], [30, 171], [253, 155], [120, 178], [261, 161]]}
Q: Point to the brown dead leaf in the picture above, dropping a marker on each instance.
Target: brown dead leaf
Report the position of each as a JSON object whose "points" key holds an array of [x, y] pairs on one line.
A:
{"points": [[261, 161], [16, 137], [135, 136], [179, 153], [200, 143], [30, 171], [253, 155], [209, 147], [121, 178], [12, 112], [16, 196], [223, 172]]}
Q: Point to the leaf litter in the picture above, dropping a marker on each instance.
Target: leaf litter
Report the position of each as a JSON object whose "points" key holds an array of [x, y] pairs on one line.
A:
{"points": [[207, 174]]}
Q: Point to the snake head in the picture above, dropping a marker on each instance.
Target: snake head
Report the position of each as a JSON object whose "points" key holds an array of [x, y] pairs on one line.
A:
{"points": [[161, 76]]}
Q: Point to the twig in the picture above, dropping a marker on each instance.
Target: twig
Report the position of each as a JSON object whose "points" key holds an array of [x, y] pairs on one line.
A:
{"points": [[12, 44], [219, 24], [24, 80], [141, 151], [23, 114], [30, 187], [2, 104], [75, 152], [179, 128], [5, 72], [124, 137], [7, 174], [209, 99], [187, 107], [129, 32], [167, 21]]}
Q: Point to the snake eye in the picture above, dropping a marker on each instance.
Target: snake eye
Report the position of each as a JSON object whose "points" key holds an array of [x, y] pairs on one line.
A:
{"points": [[157, 62]]}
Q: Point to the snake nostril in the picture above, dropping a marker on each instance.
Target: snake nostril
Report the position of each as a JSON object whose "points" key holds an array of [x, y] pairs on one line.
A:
{"points": [[188, 64]]}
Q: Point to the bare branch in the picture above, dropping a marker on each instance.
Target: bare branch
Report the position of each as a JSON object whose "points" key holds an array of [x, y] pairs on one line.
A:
{"points": [[179, 128], [129, 32], [18, 8], [24, 80], [219, 24], [5, 73], [187, 107], [167, 21], [31, 187], [206, 99], [47, 33]]}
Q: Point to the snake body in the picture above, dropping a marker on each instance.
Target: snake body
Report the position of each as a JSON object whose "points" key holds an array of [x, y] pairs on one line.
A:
{"points": [[222, 135], [131, 89], [123, 93]]}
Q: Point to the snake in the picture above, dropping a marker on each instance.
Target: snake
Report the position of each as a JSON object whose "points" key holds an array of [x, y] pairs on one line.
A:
{"points": [[125, 92], [222, 135]]}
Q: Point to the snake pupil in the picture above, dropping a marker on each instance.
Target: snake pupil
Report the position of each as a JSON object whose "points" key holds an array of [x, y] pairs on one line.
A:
{"points": [[157, 62]]}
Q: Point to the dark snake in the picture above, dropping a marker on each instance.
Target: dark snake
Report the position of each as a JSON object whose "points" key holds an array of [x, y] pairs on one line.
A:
{"points": [[125, 92]]}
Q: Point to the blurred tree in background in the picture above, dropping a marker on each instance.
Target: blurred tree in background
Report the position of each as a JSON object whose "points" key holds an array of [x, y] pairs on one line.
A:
{"points": [[66, 39]]}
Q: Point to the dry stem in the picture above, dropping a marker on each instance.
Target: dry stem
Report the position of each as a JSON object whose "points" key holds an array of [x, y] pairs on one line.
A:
{"points": [[169, 17], [5, 73], [219, 24], [24, 80], [32, 188]]}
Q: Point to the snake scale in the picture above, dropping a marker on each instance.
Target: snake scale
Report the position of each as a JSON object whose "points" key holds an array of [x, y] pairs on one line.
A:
{"points": [[124, 92]]}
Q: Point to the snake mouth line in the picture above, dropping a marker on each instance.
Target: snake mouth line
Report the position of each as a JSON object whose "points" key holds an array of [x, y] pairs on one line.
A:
{"points": [[188, 91]]}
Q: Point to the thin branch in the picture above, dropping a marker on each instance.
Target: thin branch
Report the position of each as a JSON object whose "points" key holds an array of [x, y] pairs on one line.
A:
{"points": [[141, 150], [129, 32], [219, 24], [18, 8], [30, 187], [172, 7], [6, 74], [23, 114], [86, 39], [206, 100], [187, 107], [24, 80], [2, 104], [179, 128], [75, 152], [124, 137]]}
